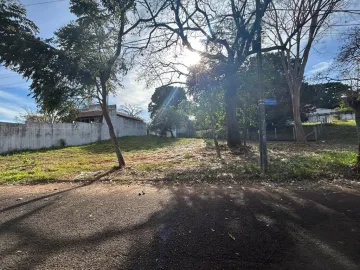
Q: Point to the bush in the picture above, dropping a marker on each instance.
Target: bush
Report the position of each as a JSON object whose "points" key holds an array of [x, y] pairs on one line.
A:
{"points": [[62, 143]]}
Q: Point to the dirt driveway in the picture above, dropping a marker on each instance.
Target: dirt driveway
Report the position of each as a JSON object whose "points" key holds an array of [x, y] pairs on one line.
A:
{"points": [[205, 226]]}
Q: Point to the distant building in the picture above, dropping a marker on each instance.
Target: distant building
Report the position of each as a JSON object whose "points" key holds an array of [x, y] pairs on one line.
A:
{"points": [[93, 113], [328, 115], [124, 124]]}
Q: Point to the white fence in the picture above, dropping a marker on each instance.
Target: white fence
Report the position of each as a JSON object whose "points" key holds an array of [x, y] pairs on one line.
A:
{"points": [[14, 137]]}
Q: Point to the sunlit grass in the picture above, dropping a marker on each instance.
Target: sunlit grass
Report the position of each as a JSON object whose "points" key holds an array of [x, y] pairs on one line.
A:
{"points": [[181, 159], [62, 164]]}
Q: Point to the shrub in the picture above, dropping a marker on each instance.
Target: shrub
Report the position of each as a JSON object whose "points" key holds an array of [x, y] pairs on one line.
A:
{"points": [[62, 143]]}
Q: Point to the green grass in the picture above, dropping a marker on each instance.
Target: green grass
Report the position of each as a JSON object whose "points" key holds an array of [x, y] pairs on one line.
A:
{"points": [[343, 131], [59, 164], [185, 159], [314, 166]]}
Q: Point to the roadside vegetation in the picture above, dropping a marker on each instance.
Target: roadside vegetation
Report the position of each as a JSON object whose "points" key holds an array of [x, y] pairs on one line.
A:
{"points": [[152, 158]]}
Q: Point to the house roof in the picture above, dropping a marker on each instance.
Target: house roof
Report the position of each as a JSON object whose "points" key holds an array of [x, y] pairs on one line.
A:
{"points": [[89, 114], [128, 116], [99, 113]]}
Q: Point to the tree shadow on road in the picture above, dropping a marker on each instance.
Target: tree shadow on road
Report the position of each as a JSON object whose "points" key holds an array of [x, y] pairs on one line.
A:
{"points": [[198, 227]]}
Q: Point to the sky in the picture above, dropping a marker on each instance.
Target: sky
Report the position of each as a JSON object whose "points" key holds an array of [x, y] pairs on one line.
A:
{"points": [[14, 91]]}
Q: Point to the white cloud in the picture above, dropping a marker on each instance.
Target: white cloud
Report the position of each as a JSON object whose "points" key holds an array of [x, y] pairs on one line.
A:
{"points": [[13, 98], [320, 67], [134, 92], [11, 105], [8, 112]]}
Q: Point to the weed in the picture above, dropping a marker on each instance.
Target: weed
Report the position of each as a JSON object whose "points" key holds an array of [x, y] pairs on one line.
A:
{"points": [[62, 143]]}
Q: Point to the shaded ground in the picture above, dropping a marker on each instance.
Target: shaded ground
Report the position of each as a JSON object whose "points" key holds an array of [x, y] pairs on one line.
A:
{"points": [[203, 226]]}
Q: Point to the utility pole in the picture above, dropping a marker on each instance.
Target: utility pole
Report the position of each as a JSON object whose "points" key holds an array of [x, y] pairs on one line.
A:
{"points": [[260, 73]]}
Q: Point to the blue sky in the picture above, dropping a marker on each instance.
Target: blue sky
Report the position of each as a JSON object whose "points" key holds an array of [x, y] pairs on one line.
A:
{"points": [[49, 17]]}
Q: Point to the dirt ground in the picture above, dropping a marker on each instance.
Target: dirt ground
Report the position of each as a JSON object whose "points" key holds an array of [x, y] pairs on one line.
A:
{"points": [[202, 226]]}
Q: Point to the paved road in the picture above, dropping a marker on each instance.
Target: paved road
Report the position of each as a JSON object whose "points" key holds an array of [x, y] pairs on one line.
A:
{"points": [[104, 226]]}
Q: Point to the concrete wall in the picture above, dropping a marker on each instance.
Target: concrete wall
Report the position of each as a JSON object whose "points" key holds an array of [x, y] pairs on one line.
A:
{"points": [[15, 137], [328, 118], [123, 126], [347, 116]]}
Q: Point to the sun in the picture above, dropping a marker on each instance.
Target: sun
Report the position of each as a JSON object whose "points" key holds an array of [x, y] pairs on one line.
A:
{"points": [[190, 58]]}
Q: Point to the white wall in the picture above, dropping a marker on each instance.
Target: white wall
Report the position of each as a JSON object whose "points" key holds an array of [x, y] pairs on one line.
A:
{"points": [[39, 135], [328, 118], [347, 116]]}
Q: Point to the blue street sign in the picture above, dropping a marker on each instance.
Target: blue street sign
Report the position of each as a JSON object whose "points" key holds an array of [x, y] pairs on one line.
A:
{"points": [[269, 101]]}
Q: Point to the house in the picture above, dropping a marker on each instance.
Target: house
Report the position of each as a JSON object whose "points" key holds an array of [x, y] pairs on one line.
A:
{"points": [[93, 113], [124, 124], [328, 115]]}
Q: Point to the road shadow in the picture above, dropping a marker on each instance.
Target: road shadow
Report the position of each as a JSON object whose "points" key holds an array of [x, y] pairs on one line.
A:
{"points": [[198, 227], [249, 229]]}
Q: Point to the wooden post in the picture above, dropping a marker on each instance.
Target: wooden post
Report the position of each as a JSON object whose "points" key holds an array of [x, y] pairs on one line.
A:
{"points": [[275, 134], [316, 135]]}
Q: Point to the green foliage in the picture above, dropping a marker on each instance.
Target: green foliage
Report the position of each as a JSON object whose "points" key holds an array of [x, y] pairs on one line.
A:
{"points": [[164, 97], [67, 114], [71, 64], [166, 109], [344, 106], [326, 95], [207, 95], [62, 143], [167, 120], [50, 68], [311, 167]]}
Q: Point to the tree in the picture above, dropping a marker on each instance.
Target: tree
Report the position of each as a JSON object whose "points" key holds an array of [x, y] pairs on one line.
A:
{"points": [[323, 95], [164, 109], [275, 86], [88, 58], [294, 25], [226, 31], [208, 98], [131, 109], [354, 102], [348, 60], [166, 121], [166, 96], [14, 28], [66, 114]]}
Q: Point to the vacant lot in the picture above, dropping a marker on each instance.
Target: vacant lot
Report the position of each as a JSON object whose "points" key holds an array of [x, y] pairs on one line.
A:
{"points": [[181, 159]]}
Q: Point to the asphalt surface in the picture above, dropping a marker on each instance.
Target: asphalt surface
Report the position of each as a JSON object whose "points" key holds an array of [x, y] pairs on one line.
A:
{"points": [[103, 226]]}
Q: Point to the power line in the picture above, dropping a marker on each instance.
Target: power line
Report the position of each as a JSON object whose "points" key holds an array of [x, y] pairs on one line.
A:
{"points": [[42, 3]]}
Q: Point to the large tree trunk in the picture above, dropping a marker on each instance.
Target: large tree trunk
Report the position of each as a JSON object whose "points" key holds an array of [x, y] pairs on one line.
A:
{"points": [[104, 107], [299, 129], [357, 121], [355, 105], [113, 137], [232, 126]]}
